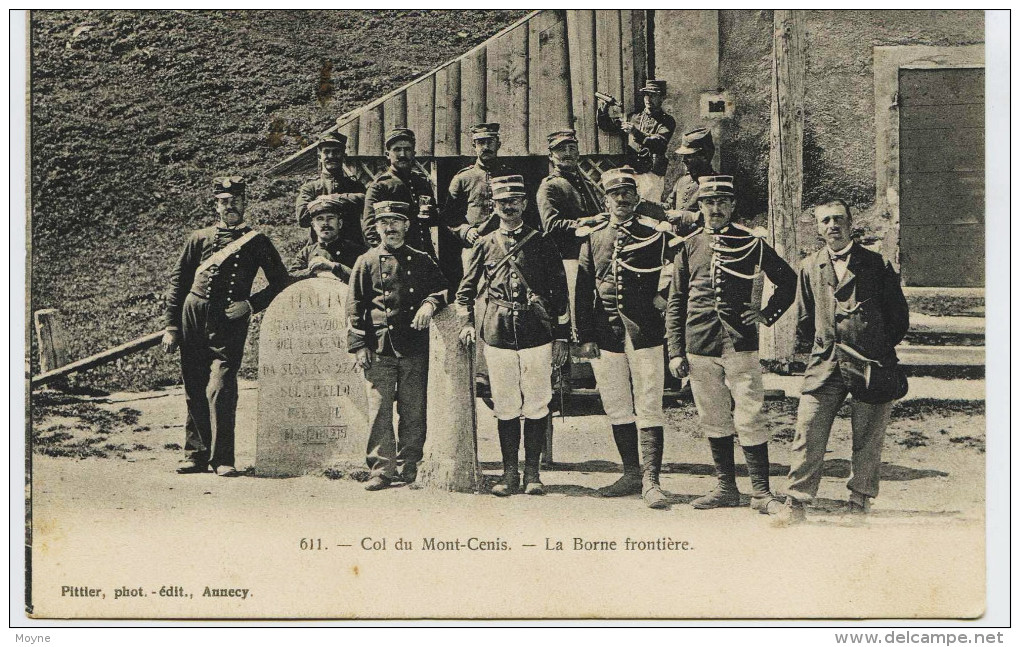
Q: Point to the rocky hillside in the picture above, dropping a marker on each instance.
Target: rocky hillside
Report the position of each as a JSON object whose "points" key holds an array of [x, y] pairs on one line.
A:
{"points": [[133, 113]]}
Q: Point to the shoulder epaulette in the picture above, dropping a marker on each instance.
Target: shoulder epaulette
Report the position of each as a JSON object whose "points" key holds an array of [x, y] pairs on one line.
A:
{"points": [[757, 232], [588, 230]]}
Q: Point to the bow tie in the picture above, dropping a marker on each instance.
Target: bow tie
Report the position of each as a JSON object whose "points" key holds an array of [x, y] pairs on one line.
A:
{"points": [[514, 233], [843, 255]]}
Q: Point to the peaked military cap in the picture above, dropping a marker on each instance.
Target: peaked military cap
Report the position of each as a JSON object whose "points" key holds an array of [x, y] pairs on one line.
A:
{"points": [[507, 186], [654, 86], [561, 137], [484, 131], [615, 178], [332, 139], [391, 209], [699, 139], [324, 204], [397, 134], [711, 186], [227, 186]]}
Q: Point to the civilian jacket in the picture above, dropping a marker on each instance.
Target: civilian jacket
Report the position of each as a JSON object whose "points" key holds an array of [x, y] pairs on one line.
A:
{"points": [[229, 282], [866, 310], [386, 289], [512, 318], [711, 289], [617, 285]]}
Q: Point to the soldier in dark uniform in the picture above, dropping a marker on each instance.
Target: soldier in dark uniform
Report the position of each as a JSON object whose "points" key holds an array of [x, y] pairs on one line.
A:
{"points": [[209, 304], [347, 194], [566, 201], [469, 212], [330, 252], [525, 326], [394, 291], [403, 182], [712, 323], [695, 153], [618, 314], [648, 134]]}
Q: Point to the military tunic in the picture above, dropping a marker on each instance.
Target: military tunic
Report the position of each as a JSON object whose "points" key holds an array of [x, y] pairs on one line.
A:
{"points": [[211, 344], [340, 251], [326, 184], [646, 144], [391, 185], [510, 319], [563, 199], [711, 289], [617, 282]]}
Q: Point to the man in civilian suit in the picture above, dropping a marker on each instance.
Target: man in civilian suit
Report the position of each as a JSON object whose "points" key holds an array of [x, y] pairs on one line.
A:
{"points": [[849, 295]]}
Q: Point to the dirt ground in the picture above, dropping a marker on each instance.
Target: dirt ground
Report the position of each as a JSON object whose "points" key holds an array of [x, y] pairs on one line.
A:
{"points": [[926, 527]]}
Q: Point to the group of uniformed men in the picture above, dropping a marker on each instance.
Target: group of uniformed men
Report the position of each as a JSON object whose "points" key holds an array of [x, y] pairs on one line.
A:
{"points": [[588, 274]]}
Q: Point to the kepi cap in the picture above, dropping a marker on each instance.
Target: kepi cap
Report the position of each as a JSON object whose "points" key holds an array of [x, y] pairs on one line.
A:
{"points": [[324, 204], [397, 134], [507, 186], [228, 186], [711, 186], [615, 178], [391, 209], [484, 131], [654, 86], [332, 139], [561, 137], [696, 140]]}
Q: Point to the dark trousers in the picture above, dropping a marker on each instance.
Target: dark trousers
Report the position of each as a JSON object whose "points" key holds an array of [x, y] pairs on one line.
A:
{"points": [[815, 415], [404, 380], [211, 350]]}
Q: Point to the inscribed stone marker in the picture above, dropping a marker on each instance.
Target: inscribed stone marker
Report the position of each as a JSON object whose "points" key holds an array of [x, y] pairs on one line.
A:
{"points": [[312, 411]]}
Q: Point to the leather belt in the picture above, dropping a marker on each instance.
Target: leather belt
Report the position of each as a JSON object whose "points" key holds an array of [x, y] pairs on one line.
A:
{"points": [[510, 305]]}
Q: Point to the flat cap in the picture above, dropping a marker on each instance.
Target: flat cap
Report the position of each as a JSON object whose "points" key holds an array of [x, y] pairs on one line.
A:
{"points": [[484, 131], [397, 134], [561, 137], [331, 139], [712, 186], [616, 178], [227, 186], [654, 86], [699, 139], [391, 209], [507, 186]]}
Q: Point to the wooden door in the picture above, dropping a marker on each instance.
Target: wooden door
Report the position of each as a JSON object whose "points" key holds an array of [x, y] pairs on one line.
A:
{"points": [[942, 176]]}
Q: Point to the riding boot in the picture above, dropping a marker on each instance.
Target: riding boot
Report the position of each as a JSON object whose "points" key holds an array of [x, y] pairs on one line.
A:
{"points": [[725, 494], [651, 464], [509, 446], [757, 457], [534, 442], [627, 444]]}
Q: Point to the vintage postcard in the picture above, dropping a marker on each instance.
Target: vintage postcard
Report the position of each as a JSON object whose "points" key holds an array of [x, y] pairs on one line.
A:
{"points": [[477, 314]]}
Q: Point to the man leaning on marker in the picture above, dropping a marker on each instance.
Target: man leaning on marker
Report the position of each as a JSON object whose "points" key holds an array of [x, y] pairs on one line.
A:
{"points": [[394, 292], [712, 323]]}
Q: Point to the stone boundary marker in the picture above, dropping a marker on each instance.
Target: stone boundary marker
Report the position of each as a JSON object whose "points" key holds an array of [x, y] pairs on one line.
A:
{"points": [[312, 405]]}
